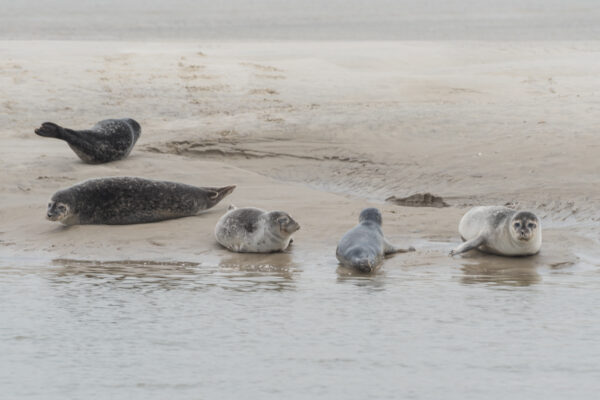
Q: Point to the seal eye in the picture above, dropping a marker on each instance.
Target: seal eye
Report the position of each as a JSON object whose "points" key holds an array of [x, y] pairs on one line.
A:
{"points": [[49, 205], [517, 225], [531, 225], [61, 208]]}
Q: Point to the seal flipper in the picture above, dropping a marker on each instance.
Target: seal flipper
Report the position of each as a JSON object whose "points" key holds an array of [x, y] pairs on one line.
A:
{"points": [[389, 248], [219, 193], [80, 142], [50, 129], [215, 195], [468, 245]]}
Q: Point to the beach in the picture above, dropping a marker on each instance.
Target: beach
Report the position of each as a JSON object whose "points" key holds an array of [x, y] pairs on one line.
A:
{"points": [[312, 129], [319, 129]]}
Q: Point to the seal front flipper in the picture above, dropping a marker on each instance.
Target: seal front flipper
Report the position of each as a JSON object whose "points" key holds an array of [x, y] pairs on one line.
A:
{"points": [[468, 245], [389, 248], [50, 129]]}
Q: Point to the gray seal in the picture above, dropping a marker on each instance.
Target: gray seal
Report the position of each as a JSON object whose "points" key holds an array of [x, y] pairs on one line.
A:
{"points": [[364, 246], [130, 200], [500, 230], [252, 230], [108, 140]]}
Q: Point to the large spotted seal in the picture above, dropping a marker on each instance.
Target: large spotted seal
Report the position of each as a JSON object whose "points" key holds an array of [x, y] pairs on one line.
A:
{"points": [[252, 230], [500, 230], [130, 200], [364, 246], [108, 140]]}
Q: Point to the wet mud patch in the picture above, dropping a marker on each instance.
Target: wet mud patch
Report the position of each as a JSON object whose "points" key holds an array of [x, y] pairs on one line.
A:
{"points": [[419, 200]]}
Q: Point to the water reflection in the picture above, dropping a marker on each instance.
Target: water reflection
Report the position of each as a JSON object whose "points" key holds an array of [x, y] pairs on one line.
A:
{"points": [[250, 272], [128, 274], [503, 271], [374, 281], [236, 272]]}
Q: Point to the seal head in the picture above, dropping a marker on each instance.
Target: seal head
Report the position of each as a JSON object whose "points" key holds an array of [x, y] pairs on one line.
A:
{"points": [[282, 222], [524, 226], [58, 211], [370, 214]]}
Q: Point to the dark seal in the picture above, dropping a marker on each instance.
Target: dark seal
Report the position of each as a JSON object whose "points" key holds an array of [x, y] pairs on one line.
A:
{"points": [[130, 200], [364, 246], [108, 140]]}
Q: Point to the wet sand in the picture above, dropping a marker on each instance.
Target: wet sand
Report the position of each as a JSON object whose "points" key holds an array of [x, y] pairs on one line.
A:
{"points": [[318, 129]]}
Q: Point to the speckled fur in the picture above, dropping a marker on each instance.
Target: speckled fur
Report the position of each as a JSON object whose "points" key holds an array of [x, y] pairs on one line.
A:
{"points": [[252, 230], [131, 200], [491, 229], [108, 140], [364, 246]]}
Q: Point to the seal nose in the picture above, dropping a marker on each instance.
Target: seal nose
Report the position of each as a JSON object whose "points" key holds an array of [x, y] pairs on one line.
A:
{"points": [[363, 265]]}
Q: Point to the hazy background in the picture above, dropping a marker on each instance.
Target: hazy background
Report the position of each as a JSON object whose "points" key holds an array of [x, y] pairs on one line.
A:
{"points": [[308, 19]]}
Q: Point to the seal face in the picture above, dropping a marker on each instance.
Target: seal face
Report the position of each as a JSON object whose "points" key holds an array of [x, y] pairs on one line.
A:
{"points": [[130, 200], [364, 246], [252, 230], [500, 230], [108, 140]]}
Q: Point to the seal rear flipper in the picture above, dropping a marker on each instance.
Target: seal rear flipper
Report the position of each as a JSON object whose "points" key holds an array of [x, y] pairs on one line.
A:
{"points": [[215, 195], [50, 129]]}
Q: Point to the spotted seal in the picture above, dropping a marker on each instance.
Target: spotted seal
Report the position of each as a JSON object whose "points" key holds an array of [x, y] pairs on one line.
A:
{"points": [[364, 246], [252, 230], [130, 200], [500, 230], [108, 140]]}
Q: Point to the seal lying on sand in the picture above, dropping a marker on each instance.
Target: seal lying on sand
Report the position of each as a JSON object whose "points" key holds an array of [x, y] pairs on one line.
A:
{"points": [[108, 140], [129, 200], [252, 230], [364, 246], [500, 230]]}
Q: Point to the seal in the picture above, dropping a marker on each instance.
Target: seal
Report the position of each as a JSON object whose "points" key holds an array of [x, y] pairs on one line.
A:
{"points": [[252, 230], [108, 140], [130, 200], [500, 230], [364, 246]]}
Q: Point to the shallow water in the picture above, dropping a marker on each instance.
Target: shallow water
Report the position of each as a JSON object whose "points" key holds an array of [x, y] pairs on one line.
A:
{"points": [[244, 328]]}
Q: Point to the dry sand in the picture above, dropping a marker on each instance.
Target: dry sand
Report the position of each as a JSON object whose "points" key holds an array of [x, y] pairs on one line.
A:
{"points": [[318, 129]]}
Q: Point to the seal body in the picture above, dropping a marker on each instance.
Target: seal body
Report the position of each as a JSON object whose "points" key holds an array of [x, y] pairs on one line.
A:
{"points": [[108, 140], [500, 230], [364, 246], [130, 200], [252, 230]]}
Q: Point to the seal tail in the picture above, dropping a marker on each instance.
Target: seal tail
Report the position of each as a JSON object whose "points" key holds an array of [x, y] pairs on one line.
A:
{"points": [[50, 129]]}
